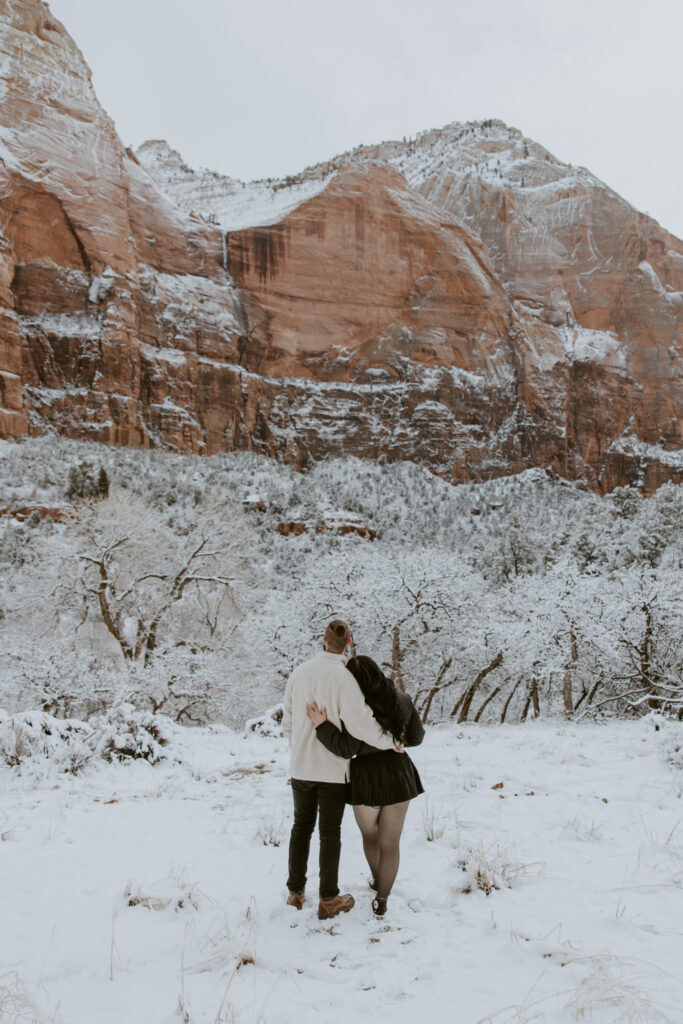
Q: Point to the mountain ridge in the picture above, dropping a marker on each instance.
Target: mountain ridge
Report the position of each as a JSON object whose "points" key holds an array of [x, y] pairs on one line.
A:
{"points": [[170, 171]]}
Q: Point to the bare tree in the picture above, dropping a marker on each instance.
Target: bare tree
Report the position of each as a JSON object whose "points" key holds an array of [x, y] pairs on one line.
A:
{"points": [[439, 684], [464, 703], [426, 612], [123, 597], [168, 602]]}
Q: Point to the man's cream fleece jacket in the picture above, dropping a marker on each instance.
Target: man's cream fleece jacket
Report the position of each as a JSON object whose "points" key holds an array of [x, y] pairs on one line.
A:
{"points": [[326, 680]]}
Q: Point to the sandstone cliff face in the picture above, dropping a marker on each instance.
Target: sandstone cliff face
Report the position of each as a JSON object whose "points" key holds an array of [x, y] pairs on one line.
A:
{"points": [[365, 276], [593, 281], [98, 269], [464, 299]]}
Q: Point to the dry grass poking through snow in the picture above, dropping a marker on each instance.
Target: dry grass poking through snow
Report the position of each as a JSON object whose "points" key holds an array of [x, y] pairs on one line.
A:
{"points": [[17, 1004], [493, 867], [224, 949], [618, 987], [271, 830], [612, 989], [434, 821]]}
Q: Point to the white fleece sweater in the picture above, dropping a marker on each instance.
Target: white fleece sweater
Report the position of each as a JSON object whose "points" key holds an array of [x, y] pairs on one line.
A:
{"points": [[326, 680]]}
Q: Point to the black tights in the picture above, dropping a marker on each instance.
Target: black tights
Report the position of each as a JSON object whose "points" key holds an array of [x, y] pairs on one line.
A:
{"points": [[381, 829]]}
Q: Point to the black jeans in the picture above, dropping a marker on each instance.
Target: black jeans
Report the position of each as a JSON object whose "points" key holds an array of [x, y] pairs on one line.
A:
{"points": [[329, 799]]}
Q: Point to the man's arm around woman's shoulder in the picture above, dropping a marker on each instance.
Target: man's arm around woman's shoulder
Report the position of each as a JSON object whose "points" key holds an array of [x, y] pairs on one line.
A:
{"points": [[358, 717]]}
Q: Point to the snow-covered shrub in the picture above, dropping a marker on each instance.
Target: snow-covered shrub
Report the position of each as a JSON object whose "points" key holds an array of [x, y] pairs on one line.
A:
{"points": [[125, 732], [668, 735], [35, 733], [267, 724], [121, 732], [488, 869], [14, 745], [173, 893], [60, 677], [73, 757]]}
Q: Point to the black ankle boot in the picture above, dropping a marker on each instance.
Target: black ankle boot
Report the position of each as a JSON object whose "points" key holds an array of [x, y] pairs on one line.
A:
{"points": [[379, 906]]}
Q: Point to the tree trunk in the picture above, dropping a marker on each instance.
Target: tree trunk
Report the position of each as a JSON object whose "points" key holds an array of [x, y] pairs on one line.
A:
{"points": [[568, 670], [507, 702], [438, 685], [458, 703], [466, 704], [581, 699], [107, 617], [646, 659], [532, 699], [396, 673], [488, 700], [594, 690], [428, 704]]}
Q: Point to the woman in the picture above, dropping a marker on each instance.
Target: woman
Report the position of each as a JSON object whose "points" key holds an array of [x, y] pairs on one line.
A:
{"points": [[383, 782]]}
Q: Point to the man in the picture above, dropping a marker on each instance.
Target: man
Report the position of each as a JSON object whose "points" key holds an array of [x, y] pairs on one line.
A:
{"points": [[318, 777]]}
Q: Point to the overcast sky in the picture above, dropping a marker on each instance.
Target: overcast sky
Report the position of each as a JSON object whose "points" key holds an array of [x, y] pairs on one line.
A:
{"points": [[262, 88]]}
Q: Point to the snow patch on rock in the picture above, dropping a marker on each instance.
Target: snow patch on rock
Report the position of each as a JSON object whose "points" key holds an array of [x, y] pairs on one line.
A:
{"points": [[586, 345]]}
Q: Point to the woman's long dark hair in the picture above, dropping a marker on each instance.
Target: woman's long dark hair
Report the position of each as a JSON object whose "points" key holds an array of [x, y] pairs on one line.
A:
{"points": [[380, 695]]}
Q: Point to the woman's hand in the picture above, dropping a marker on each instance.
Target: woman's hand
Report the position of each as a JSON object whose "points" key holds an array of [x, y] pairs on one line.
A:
{"points": [[317, 715]]}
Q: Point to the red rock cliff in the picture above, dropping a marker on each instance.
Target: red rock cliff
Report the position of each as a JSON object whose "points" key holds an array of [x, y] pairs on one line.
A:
{"points": [[464, 299]]}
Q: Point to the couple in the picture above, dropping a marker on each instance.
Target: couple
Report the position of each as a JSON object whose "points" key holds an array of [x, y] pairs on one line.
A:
{"points": [[336, 710]]}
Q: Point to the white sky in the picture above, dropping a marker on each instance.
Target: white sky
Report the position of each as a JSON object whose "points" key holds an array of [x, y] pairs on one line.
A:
{"points": [[262, 88]]}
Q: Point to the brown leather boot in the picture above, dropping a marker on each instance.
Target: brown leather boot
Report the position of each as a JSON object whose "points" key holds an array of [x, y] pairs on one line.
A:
{"points": [[337, 905], [296, 899]]}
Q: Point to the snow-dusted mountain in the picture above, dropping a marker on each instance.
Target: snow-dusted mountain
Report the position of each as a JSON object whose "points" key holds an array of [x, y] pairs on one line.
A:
{"points": [[219, 199], [462, 299], [488, 151]]}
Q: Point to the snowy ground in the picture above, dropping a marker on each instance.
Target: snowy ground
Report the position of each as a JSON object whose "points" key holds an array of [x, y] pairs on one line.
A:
{"points": [[144, 894]]}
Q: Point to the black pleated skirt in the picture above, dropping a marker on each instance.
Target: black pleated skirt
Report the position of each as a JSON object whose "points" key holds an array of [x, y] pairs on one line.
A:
{"points": [[383, 778]]}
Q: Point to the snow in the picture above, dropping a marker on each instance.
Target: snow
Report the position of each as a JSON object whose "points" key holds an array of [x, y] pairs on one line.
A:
{"points": [[74, 325], [168, 355], [586, 345], [219, 199], [156, 894], [648, 270], [258, 204], [631, 445]]}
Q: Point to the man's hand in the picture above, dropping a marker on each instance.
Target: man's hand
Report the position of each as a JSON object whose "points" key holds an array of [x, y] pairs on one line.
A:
{"points": [[317, 715]]}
